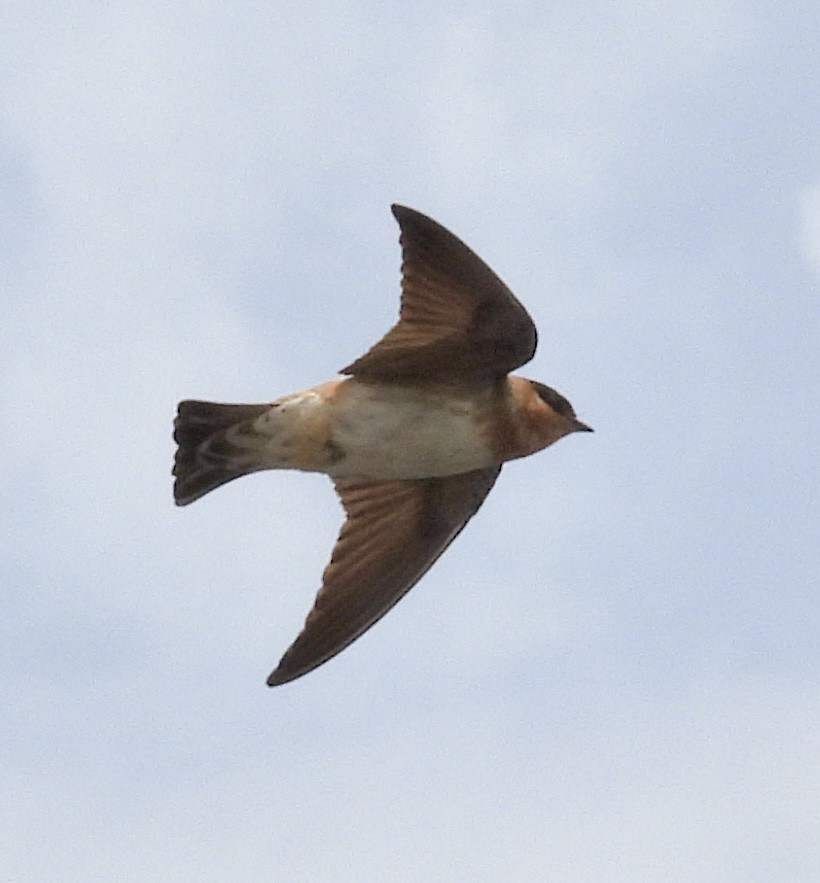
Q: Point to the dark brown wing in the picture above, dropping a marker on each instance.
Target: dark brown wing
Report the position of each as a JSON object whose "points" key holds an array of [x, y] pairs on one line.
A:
{"points": [[395, 531], [458, 321]]}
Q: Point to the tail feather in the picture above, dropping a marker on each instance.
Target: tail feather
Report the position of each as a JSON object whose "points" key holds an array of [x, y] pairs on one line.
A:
{"points": [[215, 445]]}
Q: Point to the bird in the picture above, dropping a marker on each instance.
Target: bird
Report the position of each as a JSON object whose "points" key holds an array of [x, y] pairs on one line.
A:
{"points": [[413, 435]]}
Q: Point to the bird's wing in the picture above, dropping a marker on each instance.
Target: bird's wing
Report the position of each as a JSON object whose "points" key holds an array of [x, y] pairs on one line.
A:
{"points": [[458, 321], [394, 532]]}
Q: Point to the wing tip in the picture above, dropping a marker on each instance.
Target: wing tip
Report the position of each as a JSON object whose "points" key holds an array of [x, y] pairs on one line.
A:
{"points": [[286, 671], [405, 215], [279, 676]]}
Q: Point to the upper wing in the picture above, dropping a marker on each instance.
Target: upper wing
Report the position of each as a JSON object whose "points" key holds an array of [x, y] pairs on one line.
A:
{"points": [[395, 531], [458, 320]]}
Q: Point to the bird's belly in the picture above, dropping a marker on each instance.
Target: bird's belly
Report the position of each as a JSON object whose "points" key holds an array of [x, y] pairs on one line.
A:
{"points": [[385, 431]]}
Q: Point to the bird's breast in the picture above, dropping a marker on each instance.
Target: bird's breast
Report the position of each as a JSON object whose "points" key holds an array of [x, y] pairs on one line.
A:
{"points": [[391, 431]]}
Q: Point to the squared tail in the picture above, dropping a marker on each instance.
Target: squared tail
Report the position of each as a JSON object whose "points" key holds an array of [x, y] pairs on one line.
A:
{"points": [[215, 445]]}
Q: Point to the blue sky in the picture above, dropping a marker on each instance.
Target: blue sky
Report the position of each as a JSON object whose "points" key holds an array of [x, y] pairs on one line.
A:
{"points": [[613, 674]]}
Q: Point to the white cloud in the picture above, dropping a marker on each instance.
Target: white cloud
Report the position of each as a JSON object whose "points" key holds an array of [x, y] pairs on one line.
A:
{"points": [[680, 788]]}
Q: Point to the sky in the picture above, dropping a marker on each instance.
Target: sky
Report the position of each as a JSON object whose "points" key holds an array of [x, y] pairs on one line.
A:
{"points": [[613, 673]]}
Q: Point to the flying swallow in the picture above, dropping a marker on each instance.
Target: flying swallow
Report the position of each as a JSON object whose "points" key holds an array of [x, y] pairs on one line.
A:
{"points": [[413, 437]]}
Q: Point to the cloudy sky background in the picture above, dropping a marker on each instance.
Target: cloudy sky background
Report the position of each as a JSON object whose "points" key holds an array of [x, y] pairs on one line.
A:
{"points": [[613, 674]]}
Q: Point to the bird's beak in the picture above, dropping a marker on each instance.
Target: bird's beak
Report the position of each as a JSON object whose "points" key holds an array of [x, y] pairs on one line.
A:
{"points": [[581, 427]]}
